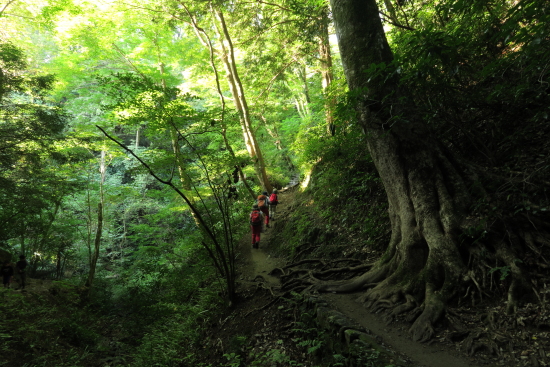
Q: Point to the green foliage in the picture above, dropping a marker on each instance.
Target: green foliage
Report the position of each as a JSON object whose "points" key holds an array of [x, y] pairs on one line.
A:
{"points": [[233, 360], [275, 357], [173, 327], [32, 180], [344, 205], [475, 61], [313, 341], [476, 72], [504, 270], [32, 321], [153, 322]]}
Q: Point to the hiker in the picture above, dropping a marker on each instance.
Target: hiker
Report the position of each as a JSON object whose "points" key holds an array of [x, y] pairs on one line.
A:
{"points": [[7, 273], [273, 201], [263, 204], [20, 267], [256, 221]]}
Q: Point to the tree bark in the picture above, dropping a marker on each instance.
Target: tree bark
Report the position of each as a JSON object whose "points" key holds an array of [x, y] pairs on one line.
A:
{"points": [[227, 57], [237, 90], [205, 40], [97, 242], [325, 58], [425, 189], [99, 229]]}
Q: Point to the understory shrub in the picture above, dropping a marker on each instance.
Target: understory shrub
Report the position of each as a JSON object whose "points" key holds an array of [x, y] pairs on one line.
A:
{"points": [[343, 210]]}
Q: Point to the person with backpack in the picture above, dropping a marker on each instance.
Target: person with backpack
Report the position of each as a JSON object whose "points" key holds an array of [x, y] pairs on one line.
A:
{"points": [[256, 224], [273, 201], [263, 204]]}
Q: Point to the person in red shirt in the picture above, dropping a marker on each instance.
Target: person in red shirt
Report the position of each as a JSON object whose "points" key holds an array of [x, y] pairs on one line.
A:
{"points": [[256, 224], [263, 204], [273, 201]]}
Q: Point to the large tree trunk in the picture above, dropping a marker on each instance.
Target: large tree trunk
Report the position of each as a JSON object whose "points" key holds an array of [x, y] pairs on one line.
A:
{"points": [[426, 192]]}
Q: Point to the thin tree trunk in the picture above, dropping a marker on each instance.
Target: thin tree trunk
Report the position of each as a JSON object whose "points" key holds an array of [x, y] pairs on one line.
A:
{"points": [[391, 10], [97, 243], [22, 239], [325, 57], [226, 55], [302, 72], [176, 148], [237, 90], [184, 177], [58, 265], [206, 42], [99, 229], [239, 170]]}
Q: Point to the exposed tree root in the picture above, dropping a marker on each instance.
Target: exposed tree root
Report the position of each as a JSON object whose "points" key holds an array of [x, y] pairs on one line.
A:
{"points": [[481, 341], [295, 277], [434, 306], [413, 315], [263, 285], [400, 309], [373, 276], [303, 251], [419, 291], [349, 269], [352, 261], [262, 308]]}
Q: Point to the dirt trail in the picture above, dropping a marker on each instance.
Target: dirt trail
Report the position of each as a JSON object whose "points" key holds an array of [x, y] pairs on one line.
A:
{"points": [[259, 262], [262, 264], [434, 355]]}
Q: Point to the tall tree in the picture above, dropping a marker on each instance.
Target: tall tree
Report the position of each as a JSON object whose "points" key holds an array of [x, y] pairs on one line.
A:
{"points": [[225, 52], [94, 253], [427, 172], [426, 190], [327, 75]]}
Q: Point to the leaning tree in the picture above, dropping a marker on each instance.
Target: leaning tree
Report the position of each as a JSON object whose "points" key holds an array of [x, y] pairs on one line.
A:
{"points": [[427, 188]]}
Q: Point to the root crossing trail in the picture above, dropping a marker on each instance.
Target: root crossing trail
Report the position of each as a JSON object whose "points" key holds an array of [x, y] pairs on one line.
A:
{"points": [[259, 262]]}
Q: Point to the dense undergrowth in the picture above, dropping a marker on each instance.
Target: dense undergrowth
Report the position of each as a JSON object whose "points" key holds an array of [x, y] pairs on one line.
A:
{"points": [[155, 321], [343, 210], [286, 333]]}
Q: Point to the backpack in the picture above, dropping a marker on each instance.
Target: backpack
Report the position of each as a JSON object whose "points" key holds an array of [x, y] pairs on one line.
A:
{"points": [[262, 201], [273, 199], [256, 218]]}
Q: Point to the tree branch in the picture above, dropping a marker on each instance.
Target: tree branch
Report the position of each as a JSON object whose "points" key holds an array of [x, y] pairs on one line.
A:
{"points": [[387, 19], [195, 211]]}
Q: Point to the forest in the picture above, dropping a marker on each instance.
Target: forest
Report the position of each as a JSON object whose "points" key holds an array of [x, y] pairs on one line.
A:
{"points": [[408, 142]]}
